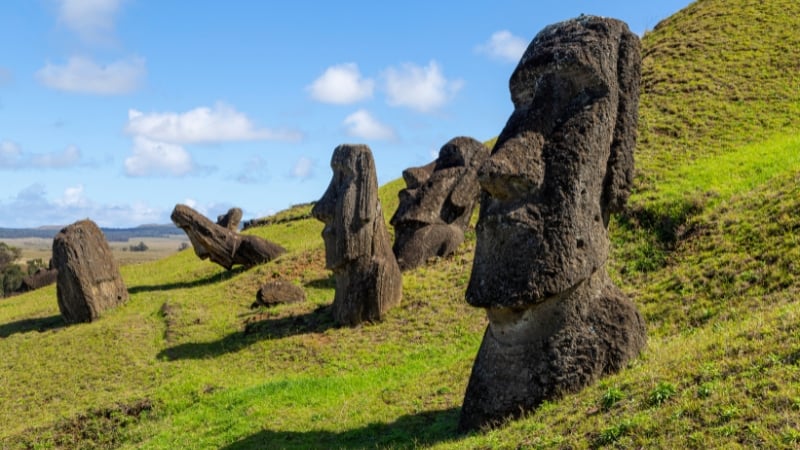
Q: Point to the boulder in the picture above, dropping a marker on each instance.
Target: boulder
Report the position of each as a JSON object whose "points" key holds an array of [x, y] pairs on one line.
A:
{"points": [[230, 219], [562, 164], [279, 292], [222, 245], [357, 245], [88, 279], [436, 205]]}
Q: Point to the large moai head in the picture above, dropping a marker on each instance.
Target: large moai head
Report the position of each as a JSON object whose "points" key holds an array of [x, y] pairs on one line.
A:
{"points": [[437, 203], [357, 246], [561, 165]]}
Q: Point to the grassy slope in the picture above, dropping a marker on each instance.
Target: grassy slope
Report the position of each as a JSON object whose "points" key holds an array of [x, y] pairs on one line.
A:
{"points": [[709, 251]]}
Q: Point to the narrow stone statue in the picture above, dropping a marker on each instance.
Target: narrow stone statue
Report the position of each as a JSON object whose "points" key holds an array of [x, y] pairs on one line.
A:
{"points": [[357, 245], [437, 203], [562, 164]]}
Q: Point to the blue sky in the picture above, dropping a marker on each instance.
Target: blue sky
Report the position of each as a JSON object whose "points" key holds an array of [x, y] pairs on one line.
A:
{"points": [[116, 110]]}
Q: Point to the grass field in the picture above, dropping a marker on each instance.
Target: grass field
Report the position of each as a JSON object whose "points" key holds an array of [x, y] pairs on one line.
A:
{"points": [[708, 249]]}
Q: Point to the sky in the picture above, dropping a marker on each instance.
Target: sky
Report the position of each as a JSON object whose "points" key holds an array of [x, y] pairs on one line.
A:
{"points": [[117, 110]]}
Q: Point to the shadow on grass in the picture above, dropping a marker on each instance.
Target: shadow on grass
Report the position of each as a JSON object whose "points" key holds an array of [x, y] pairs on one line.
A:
{"points": [[255, 329], [40, 324], [409, 431], [323, 283], [216, 278]]}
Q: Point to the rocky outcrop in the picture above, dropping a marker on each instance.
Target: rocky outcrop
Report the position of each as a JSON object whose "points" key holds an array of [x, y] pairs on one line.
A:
{"points": [[278, 292], [562, 164], [437, 203], [88, 280], [222, 245], [357, 246]]}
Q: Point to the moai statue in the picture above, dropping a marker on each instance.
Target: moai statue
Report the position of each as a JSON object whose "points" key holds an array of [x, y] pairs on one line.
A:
{"points": [[230, 219], [437, 203], [88, 280], [562, 164], [357, 245]]}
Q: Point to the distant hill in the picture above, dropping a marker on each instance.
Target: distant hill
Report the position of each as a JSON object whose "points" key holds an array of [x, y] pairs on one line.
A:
{"points": [[112, 234]]}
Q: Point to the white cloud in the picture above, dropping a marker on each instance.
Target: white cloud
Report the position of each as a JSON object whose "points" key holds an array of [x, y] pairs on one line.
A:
{"points": [[157, 158], [201, 125], [83, 75], [92, 20], [255, 170], [419, 88], [504, 46], [341, 84], [32, 208], [68, 158], [303, 168], [12, 157], [361, 124]]}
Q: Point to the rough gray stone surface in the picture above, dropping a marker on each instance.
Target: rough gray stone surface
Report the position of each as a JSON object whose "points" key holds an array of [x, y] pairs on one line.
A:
{"points": [[437, 203], [562, 164], [222, 245], [230, 219], [88, 279], [357, 246], [278, 292]]}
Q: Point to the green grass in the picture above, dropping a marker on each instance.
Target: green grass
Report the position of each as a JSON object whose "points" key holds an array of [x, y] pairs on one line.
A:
{"points": [[708, 249]]}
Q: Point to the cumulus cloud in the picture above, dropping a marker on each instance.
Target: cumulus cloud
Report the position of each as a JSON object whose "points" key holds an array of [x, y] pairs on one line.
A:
{"points": [[362, 124], [12, 157], [420, 88], [221, 123], [85, 76], [157, 158], [341, 84], [31, 207], [504, 46], [303, 168], [92, 20]]}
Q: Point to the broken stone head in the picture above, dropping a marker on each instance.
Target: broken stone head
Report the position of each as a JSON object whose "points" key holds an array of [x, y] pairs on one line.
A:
{"points": [[562, 164], [437, 203]]}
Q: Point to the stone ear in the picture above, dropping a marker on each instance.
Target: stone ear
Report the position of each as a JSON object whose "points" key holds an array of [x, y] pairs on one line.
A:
{"points": [[619, 170]]}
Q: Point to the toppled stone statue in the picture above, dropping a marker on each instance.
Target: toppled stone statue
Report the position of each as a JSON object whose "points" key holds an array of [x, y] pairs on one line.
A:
{"points": [[437, 203], [220, 244], [278, 292], [562, 164], [230, 219], [88, 279], [357, 246]]}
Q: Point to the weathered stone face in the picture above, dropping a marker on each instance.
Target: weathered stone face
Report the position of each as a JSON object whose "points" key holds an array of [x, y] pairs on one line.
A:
{"points": [[357, 248], [88, 280], [437, 203], [561, 166]]}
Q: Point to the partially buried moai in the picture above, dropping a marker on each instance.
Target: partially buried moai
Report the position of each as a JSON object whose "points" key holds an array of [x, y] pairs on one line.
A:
{"points": [[562, 164], [88, 280], [357, 245], [437, 203]]}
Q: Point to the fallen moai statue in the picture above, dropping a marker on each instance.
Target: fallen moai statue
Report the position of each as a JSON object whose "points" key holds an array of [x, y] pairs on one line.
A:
{"points": [[88, 280], [278, 292], [357, 245], [230, 219], [220, 244], [437, 203], [562, 164]]}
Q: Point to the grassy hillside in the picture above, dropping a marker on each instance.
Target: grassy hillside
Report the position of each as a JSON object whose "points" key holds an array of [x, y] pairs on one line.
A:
{"points": [[709, 250]]}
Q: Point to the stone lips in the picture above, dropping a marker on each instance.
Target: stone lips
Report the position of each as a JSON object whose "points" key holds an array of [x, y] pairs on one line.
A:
{"points": [[88, 280], [357, 246]]}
